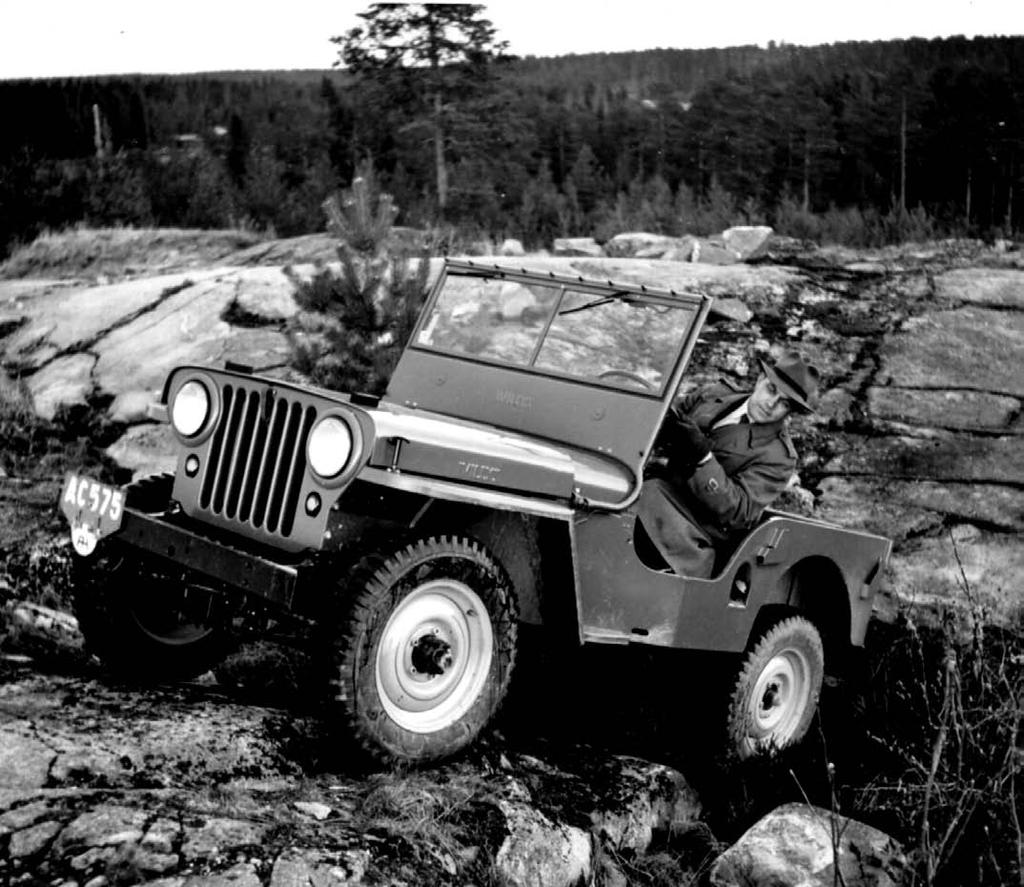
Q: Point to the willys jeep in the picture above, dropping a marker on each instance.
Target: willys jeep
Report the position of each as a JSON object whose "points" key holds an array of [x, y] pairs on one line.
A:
{"points": [[495, 483]]}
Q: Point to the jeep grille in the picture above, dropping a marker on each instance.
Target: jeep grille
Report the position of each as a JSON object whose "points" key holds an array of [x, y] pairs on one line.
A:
{"points": [[257, 458]]}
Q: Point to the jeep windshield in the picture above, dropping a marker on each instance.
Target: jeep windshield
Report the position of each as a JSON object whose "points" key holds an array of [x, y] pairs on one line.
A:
{"points": [[605, 335]]}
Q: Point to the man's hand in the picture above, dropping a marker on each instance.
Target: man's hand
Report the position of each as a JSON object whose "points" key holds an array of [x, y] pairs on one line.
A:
{"points": [[692, 443]]}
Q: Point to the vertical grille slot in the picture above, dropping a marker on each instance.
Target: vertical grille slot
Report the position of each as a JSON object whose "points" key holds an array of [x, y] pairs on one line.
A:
{"points": [[255, 465], [213, 465], [268, 464], [297, 468], [281, 465], [229, 450], [243, 452]]}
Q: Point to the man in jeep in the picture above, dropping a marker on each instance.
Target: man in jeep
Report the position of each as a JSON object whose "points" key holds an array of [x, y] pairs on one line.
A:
{"points": [[728, 456]]}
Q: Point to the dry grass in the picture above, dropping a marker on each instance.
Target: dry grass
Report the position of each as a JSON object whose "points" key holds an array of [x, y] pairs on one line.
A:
{"points": [[440, 817], [122, 252], [421, 806]]}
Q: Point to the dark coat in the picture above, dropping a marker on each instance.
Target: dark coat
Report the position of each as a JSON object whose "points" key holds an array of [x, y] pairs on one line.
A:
{"points": [[751, 463]]}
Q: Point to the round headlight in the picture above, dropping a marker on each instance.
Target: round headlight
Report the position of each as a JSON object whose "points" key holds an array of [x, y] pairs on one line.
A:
{"points": [[330, 445], [190, 408]]}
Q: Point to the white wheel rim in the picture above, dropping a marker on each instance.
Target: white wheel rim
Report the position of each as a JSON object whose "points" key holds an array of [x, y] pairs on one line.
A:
{"points": [[779, 700], [444, 624]]}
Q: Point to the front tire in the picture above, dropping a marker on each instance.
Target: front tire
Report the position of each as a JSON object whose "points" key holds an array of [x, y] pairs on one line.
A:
{"points": [[423, 658], [776, 693], [144, 620]]}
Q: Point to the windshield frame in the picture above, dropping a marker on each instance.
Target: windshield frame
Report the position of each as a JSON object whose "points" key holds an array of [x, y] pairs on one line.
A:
{"points": [[603, 292]]}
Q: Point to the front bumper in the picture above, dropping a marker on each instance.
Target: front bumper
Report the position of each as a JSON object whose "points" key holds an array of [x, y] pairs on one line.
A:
{"points": [[275, 582]]}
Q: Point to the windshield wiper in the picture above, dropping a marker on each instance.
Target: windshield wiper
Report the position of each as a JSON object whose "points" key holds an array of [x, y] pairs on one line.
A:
{"points": [[597, 303]]}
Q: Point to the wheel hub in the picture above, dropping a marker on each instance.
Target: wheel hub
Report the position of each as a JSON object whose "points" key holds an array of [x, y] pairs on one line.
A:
{"points": [[432, 655], [771, 697], [780, 695]]}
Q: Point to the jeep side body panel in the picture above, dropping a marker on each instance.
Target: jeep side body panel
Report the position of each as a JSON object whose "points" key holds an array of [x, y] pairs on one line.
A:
{"points": [[786, 560]]}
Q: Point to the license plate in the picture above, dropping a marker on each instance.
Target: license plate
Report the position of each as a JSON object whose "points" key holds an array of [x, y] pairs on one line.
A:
{"points": [[94, 510]]}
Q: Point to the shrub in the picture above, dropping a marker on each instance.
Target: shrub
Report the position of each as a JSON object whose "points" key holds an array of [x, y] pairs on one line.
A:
{"points": [[116, 193], [943, 763], [357, 319], [792, 220], [717, 211]]}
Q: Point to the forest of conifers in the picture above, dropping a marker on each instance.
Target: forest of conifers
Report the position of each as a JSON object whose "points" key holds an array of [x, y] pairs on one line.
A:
{"points": [[858, 143]]}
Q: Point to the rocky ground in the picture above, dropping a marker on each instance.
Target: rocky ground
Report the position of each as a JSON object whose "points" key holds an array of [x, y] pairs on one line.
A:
{"points": [[192, 784], [918, 438]]}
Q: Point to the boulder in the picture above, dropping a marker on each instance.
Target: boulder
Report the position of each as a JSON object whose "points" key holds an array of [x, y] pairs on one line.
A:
{"points": [[710, 253], [262, 297], [132, 407], [802, 845], [656, 799], [540, 851], [747, 241], [640, 245], [515, 302], [511, 247], [146, 449], [731, 309], [682, 251], [577, 246], [47, 629]]}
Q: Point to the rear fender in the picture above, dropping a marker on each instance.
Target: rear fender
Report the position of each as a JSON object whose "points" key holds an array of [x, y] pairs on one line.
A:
{"points": [[813, 588], [819, 591]]}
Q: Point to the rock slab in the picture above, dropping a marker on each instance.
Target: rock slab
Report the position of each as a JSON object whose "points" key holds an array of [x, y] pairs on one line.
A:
{"points": [[798, 844]]}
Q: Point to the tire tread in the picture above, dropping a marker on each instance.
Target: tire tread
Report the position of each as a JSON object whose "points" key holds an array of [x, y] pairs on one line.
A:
{"points": [[753, 663], [372, 577]]}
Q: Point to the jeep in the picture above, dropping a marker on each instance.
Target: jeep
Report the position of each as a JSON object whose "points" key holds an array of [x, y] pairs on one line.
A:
{"points": [[409, 535]]}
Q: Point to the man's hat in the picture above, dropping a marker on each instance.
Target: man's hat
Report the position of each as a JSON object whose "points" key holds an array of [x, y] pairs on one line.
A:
{"points": [[796, 378]]}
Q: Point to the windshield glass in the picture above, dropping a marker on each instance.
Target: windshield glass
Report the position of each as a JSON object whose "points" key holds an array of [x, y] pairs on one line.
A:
{"points": [[613, 338]]}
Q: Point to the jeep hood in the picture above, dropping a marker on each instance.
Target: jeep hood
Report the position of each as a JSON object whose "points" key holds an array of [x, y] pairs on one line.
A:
{"points": [[437, 446]]}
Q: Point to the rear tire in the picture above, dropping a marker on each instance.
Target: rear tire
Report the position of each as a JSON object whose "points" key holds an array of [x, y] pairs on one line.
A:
{"points": [[144, 620], [424, 653], [776, 694]]}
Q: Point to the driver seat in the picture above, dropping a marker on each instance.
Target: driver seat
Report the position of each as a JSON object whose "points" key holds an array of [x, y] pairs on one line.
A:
{"points": [[667, 522]]}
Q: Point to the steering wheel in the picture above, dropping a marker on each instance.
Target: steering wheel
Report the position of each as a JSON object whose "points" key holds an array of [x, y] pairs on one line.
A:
{"points": [[627, 374]]}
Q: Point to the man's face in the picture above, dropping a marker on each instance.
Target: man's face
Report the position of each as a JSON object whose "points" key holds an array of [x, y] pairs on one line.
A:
{"points": [[767, 403]]}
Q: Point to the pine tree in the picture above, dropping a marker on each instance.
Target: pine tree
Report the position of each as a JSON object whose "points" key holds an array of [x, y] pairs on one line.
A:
{"points": [[356, 321], [452, 41]]}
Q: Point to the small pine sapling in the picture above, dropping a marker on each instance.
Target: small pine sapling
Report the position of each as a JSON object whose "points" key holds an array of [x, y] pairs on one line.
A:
{"points": [[355, 320]]}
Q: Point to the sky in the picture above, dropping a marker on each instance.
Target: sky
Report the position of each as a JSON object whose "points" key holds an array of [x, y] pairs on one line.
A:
{"points": [[70, 38]]}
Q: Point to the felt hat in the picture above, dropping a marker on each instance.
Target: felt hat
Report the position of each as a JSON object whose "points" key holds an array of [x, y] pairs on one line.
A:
{"points": [[796, 378]]}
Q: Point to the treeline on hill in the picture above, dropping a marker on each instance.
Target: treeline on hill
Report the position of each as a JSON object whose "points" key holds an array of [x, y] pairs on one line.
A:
{"points": [[859, 143]]}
